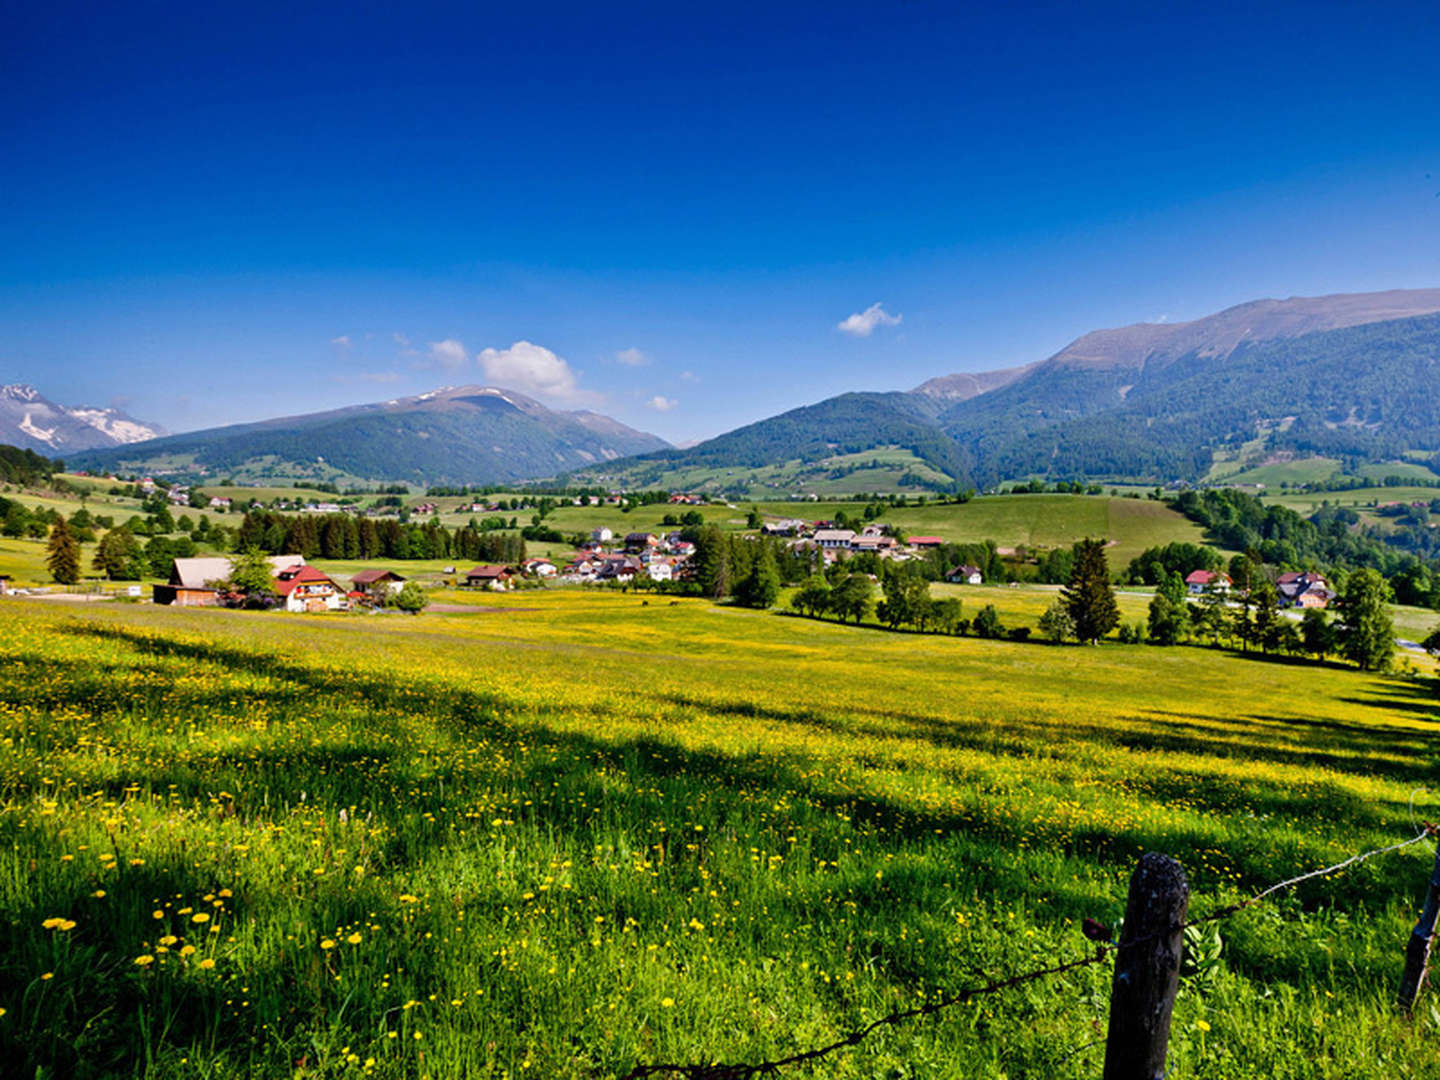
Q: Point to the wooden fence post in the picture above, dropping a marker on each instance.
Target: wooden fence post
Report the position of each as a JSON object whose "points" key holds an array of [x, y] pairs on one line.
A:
{"points": [[1147, 970], [1417, 953]]}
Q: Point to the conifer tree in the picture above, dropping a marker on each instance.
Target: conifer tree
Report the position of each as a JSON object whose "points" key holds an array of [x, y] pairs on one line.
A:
{"points": [[1089, 597], [63, 553]]}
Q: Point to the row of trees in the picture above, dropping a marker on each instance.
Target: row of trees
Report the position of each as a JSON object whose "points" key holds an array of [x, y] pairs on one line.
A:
{"points": [[343, 536]]}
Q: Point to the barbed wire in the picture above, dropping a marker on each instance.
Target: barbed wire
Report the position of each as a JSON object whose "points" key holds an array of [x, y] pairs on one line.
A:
{"points": [[1103, 951]]}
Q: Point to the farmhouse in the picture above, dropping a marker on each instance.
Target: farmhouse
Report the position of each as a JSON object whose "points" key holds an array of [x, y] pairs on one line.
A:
{"points": [[834, 538], [308, 589], [367, 580], [488, 577], [1304, 589], [538, 567], [1197, 581], [965, 575], [641, 541], [924, 541], [601, 535], [190, 583]]}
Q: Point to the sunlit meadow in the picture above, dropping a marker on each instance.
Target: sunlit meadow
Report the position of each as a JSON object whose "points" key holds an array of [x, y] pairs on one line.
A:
{"points": [[576, 832]]}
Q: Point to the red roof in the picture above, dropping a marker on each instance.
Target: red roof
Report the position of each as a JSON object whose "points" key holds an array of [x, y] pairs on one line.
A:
{"points": [[924, 541], [1204, 577], [369, 577], [303, 575], [487, 572]]}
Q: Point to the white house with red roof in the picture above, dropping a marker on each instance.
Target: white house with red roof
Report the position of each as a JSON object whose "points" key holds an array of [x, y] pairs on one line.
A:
{"points": [[310, 590], [1197, 581]]}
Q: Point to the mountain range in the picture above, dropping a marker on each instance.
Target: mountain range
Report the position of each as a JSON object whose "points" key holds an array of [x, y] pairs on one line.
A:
{"points": [[455, 435], [33, 422], [1351, 376]]}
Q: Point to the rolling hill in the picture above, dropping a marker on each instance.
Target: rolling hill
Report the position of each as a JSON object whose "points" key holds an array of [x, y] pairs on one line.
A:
{"points": [[1351, 375], [458, 435]]}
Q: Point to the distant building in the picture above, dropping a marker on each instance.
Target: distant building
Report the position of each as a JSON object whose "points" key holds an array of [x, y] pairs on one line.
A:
{"points": [[965, 575], [367, 580], [834, 538], [1197, 581], [1305, 590], [310, 590], [191, 580], [488, 577], [924, 541], [641, 541], [601, 535]]}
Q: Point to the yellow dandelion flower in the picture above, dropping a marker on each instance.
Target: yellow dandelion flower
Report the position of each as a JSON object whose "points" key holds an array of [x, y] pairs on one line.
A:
{"points": [[47, 976], [98, 894], [1202, 1025], [328, 943], [354, 939], [169, 939], [200, 917], [144, 961], [52, 923], [667, 1003], [157, 914], [187, 950], [207, 963]]}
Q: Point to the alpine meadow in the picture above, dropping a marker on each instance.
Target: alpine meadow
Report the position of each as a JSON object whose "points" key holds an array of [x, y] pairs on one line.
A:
{"points": [[706, 542]]}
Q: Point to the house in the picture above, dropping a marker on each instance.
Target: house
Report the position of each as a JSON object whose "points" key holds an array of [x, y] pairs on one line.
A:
{"points": [[1304, 589], [539, 567], [1197, 581], [621, 568], [601, 535], [965, 575], [4, 584], [219, 502], [783, 527], [367, 580], [488, 577], [660, 570], [191, 580], [641, 541], [310, 590], [924, 541], [834, 538]]}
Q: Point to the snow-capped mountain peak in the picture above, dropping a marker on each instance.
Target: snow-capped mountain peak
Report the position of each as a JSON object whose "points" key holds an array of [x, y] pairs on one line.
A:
{"points": [[31, 421]]}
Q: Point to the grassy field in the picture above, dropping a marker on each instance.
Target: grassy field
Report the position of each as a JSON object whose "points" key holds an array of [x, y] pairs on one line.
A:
{"points": [[879, 469], [1361, 499], [575, 831], [1035, 520]]}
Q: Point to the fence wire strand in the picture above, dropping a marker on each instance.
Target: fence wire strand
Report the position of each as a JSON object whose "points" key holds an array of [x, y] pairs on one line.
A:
{"points": [[1103, 951]]}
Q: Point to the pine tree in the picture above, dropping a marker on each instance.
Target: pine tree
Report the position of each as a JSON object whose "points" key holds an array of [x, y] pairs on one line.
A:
{"points": [[1089, 597], [761, 587], [63, 554]]}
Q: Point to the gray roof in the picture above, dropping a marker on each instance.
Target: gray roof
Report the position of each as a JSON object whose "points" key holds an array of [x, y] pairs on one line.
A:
{"points": [[196, 573]]}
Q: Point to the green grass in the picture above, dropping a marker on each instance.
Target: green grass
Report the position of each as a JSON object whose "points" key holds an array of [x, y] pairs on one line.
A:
{"points": [[1408, 470], [1307, 470], [879, 469], [1032, 520], [1366, 498], [562, 839]]}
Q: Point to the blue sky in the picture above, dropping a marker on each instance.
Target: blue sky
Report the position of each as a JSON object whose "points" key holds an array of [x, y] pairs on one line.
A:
{"points": [[666, 212]]}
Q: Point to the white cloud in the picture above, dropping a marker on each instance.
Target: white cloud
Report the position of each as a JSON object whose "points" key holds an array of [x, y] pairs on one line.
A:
{"points": [[448, 353], [689, 376], [531, 369], [661, 404], [863, 323], [341, 342], [632, 357]]}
